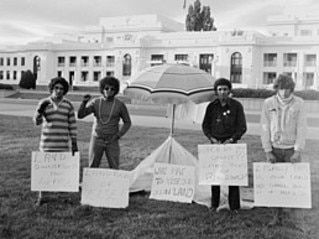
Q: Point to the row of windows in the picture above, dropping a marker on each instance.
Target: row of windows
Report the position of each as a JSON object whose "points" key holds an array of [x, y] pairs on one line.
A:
{"points": [[84, 75], [14, 61], [85, 60], [8, 75], [308, 78], [289, 59]]}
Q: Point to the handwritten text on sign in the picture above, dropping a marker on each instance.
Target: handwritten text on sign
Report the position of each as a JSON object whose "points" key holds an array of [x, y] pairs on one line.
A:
{"points": [[282, 185], [173, 183], [105, 188], [223, 164], [52, 171]]}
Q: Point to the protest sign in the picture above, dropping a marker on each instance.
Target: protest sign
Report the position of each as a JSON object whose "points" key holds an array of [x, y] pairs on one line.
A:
{"points": [[223, 164], [105, 188], [173, 183], [282, 185], [55, 171]]}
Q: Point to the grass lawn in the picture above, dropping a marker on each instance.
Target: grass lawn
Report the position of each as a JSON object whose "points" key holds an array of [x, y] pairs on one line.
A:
{"points": [[144, 218]]}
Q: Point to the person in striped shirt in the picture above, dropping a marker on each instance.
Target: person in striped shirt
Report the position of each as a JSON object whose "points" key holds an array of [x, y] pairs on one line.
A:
{"points": [[56, 115]]}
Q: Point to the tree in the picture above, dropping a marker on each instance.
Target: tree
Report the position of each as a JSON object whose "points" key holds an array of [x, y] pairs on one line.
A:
{"points": [[199, 19], [27, 80]]}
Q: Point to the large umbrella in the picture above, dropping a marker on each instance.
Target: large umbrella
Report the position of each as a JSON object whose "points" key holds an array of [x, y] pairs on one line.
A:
{"points": [[172, 84]]}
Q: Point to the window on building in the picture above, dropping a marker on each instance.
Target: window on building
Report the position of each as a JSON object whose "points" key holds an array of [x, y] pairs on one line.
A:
{"points": [[14, 75], [15, 61], [270, 59], [1, 61], [8, 75], [305, 32], [1, 75], [127, 65], [8, 61], [97, 61], [110, 61], [60, 74], [308, 79], [205, 62], [96, 75], [310, 60], [84, 76], [290, 59], [109, 39], [84, 61], [22, 61], [110, 73], [72, 61], [269, 77], [71, 77], [236, 68], [181, 57], [61, 61], [22, 72], [157, 59]]}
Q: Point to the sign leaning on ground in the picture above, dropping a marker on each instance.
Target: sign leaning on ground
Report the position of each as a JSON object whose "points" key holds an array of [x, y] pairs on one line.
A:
{"points": [[173, 183], [105, 188], [223, 164], [55, 171], [282, 185]]}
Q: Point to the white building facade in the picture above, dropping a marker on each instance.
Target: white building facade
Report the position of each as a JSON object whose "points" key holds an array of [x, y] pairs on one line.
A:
{"points": [[123, 46]]}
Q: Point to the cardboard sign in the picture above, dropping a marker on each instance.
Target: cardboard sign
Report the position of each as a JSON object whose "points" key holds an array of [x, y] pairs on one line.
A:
{"points": [[282, 185], [53, 171], [105, 188], [223, 164], [173, 183]]}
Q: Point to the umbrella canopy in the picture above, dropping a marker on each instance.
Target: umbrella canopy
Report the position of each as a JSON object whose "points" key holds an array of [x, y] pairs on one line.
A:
{"points": [[172, 84]]}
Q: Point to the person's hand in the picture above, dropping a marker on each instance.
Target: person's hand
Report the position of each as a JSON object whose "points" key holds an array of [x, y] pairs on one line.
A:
{"points": [[86, 98], [213, 140], [43, 106], [296, 157], [270, 157], [74, 148], [114, 138], [229, 141]]}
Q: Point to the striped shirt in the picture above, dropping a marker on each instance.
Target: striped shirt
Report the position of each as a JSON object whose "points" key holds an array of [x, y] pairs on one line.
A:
{"points": [[58, 125]]}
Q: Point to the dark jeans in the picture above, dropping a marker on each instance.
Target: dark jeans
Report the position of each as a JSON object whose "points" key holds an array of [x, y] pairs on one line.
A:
{"points": [[233, 197]]}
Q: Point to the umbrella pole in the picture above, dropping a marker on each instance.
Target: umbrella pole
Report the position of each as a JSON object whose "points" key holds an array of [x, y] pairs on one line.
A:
{"points": [[171, 134]]}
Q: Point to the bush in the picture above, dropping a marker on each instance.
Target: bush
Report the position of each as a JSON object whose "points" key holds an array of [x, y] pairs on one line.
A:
{"points": [[27, 80], [264, 93], [6, 87]]}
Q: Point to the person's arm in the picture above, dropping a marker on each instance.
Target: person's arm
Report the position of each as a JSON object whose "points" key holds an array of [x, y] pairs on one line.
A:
{"points": [[126, 121], [40, 111], [72, 129], [206, 125], [85, 109], [241, 125], [300, 134]]}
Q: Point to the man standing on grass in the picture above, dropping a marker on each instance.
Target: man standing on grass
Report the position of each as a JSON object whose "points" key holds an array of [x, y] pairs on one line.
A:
{"points": [[106, 131], [224, 123], [284, 126], [56, 114]]}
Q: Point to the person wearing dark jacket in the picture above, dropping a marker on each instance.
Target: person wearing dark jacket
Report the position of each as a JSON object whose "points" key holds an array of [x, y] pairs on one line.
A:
{"points": [[224, 123]]}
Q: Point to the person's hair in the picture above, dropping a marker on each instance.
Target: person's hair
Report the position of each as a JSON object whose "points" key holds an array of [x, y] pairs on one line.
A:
{"points": [[111, 81], [59, 80], [222, 81], [284, 81]]}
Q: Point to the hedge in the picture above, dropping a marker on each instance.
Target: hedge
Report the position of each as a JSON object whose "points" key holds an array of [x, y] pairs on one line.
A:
{"points": [[6, 87], [265, 93]]}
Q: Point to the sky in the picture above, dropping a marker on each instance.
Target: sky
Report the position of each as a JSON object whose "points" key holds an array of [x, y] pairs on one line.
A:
{"points": [[23, 21]]}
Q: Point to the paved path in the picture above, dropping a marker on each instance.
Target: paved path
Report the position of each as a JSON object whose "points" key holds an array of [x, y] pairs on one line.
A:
{"points": [[24, 107]]}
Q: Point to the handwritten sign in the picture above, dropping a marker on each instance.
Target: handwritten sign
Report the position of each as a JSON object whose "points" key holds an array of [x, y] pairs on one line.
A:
{"points": [[53, 171], [105, 188], [282, 185], [173, 183], [223, 164]]}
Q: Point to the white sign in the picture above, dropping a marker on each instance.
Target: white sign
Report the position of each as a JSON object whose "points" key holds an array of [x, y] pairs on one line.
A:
{"points": [[55, 171], [173, 183], [282, 185], [223, 164], [105, 188]]}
